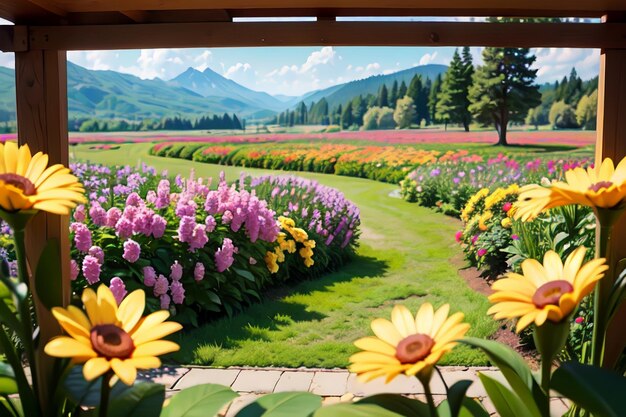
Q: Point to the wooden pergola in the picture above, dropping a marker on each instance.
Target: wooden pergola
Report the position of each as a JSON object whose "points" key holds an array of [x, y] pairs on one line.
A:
{"points": [[45, 29]]}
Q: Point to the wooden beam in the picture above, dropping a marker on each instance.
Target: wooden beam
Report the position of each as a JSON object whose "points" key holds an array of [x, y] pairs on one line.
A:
{"points": [[49, 6], [41, 92], [610, 143], [226, 34], [476, 7], [13, 38]]}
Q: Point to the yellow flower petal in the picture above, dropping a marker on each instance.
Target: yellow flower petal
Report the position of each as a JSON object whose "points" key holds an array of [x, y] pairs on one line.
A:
{"points": [[146, 324], [131, 309], [386, 331], [373, 357], [155, 348], [66, 347], [373, 344], [125, 370], [424, 318], [70, 325], [145, 362], [107, 305], [90, 301], [403, 320], [157, 332], [439, 318], [95, 367]]}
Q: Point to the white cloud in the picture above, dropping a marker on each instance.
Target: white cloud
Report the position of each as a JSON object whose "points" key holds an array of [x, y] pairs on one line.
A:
{"points": [[554, 63], [322, 57], [238, 67], [428, 58], [7, 59], [202, 61]]}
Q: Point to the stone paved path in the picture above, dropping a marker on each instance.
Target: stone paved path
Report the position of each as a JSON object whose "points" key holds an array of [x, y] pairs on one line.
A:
{"points": [[334, 385]]}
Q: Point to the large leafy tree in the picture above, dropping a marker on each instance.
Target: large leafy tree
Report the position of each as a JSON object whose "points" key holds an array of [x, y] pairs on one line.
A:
{"points": [[504, 88], [453, 102]]}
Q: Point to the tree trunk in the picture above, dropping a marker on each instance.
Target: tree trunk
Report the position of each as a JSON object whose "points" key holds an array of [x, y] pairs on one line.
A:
{"points": [[502, 134], [466, 125], [445, 126]]}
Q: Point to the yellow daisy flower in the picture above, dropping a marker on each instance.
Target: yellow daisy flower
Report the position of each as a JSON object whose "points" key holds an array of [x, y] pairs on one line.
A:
{"points": [[26, 182], [546, 292], [407, 344], [111, 337], [599, 187]]}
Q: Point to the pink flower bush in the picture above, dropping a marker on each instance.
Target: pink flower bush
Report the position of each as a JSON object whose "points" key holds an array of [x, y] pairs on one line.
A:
{"points": [[132, 251], [175, 236], [118, 289]]}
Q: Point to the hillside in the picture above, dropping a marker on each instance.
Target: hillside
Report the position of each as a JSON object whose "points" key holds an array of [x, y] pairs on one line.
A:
{"points": [[342, 93]]}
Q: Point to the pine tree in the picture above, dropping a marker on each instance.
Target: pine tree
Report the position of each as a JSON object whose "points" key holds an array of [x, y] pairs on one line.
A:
{"points": [[419, 95], [452, 105], [358, 110], [435, 89], [393, 94], [504, 88], [346, 116], [402, 89], [383, 96]]}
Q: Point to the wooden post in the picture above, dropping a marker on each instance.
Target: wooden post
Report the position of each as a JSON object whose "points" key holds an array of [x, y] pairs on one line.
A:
{"points": [[611, 143], [41, 93]]}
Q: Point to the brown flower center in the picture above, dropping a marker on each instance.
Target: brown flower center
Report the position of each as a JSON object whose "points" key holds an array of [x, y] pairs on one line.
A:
{"points": [[600, 185], [550, 293], [24, 184], [414, 348], [111, 341]]}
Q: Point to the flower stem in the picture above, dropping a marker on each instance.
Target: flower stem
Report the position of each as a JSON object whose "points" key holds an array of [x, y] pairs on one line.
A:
{"points": [[429, 399], [546, 369], [23, 307], [602, 294], [105, 391]]}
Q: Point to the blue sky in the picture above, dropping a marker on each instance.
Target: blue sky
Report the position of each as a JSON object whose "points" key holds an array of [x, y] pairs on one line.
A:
{"points": [[294, 71]]}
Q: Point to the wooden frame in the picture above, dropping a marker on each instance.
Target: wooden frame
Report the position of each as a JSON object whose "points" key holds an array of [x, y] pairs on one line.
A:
{"points": [[228, 34]]}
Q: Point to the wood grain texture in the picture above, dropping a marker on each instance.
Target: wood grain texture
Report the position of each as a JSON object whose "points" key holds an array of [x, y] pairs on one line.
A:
{"points": [[41, 90], [227, 34], [566, 6]]}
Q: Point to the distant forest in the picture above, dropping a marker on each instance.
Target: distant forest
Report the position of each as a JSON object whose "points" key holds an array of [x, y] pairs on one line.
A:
{"points": [[206, 122], [567, 104]]}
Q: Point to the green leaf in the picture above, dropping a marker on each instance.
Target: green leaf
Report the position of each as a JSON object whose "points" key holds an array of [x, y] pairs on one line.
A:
{"points": [[515, 371], [144, 399], [473, 408], [8, 385], [597, 390], [456, 395], [48, 275], [398, 404], [87, 393], [354, 410], [283, 404], [199, 401], [506, 402], [246, 274]]}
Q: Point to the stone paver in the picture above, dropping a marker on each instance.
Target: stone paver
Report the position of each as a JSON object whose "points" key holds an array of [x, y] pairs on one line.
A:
{"points": [[294, 381], [329, 383], [475, 390], [165, 375], [239, 403], [400, 385], [199, 376], [256, 381]]}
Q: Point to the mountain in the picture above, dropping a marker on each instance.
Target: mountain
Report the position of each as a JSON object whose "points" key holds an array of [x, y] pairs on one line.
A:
{"points": [[111, 94], [342, 93], [209, 83]]}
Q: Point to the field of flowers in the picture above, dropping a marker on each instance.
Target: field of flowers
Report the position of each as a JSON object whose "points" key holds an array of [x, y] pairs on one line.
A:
{"points": [[381, 163], [199, 250]]}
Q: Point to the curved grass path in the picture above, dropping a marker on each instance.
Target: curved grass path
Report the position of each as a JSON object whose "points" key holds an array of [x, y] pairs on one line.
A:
{"points": [[404, 257]]}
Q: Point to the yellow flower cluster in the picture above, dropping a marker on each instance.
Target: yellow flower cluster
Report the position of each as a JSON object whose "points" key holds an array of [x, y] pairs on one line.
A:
{"points": [[472, 203], [485, 209], [499, 195], [289, 245]]}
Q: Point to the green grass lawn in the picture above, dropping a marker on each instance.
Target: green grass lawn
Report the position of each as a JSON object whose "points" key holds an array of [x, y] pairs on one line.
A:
{"points": [[405, 257]]}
